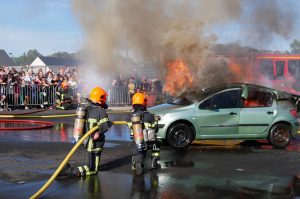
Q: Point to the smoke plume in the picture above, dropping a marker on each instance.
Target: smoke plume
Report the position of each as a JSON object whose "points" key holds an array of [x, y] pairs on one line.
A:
{"points": [[157, 32]]}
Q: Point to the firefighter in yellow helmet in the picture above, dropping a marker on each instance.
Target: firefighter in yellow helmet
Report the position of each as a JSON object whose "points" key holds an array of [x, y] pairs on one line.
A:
{"points": [[143, 127], [95, 116], [63, 97]]}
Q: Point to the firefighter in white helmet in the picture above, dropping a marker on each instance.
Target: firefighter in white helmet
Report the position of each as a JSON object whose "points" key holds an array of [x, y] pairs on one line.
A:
{"points": [[143, 127], [95, 116]]}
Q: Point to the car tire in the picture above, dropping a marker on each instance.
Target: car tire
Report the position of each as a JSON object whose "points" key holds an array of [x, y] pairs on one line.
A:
{"points": [[180, 135], [280, 135]]}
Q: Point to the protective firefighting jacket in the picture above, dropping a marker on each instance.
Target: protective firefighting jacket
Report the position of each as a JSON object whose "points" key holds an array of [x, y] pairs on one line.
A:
{"points": [[96, 116], [147, 118], [63, 95]]}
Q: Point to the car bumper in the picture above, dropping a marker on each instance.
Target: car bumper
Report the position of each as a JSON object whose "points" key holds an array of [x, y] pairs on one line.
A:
{"points": [[162, 129]]}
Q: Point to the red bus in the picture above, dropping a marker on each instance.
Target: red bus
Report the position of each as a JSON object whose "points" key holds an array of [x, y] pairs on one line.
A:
{"points": [[279, 71]]}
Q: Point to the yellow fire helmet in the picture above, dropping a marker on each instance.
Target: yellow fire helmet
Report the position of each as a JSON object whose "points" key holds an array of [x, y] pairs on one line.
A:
{"points": [[98, 95], [139, 98], [64, 85]]}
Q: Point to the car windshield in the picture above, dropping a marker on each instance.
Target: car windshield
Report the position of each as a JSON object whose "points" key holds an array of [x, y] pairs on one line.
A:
{"points": [[181, 101]]}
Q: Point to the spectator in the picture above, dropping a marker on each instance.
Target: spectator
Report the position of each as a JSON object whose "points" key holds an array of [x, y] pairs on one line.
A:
{"points": [[61, 72], [6, 70], [37, 80], [49, 78], [55, 80], [119, 81], [28, 78], [10, 89], [72, 82], [131, 87], [2, 94], [144, 84]]}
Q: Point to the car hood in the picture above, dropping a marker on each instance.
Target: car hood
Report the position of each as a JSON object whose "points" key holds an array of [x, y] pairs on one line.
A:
{"points": [[162, 108]]}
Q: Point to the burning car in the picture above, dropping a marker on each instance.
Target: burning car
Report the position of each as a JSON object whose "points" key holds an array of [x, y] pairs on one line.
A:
{"points": [[232, 111]]}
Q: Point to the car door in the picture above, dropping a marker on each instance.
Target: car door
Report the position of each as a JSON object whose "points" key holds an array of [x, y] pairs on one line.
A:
{"points": [[218, 115], [257, 112]]}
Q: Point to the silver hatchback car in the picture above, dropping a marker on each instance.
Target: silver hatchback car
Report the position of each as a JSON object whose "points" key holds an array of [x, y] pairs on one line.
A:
{"points": [[233, 111]]}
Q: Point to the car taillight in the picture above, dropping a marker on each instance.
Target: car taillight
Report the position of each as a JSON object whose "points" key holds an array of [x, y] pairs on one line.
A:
{"points": [[294, 112]]}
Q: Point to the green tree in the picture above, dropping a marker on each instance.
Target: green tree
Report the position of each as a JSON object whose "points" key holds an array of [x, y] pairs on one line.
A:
{"points": [[62, 54], [32, 55], [295, 46], [27, 58]]}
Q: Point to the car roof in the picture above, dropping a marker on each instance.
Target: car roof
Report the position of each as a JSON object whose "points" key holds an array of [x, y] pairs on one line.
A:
{"points": [[280, 95]]}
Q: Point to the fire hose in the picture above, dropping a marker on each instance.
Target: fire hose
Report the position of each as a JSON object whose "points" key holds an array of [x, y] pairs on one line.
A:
{"points": [[67, 158]]}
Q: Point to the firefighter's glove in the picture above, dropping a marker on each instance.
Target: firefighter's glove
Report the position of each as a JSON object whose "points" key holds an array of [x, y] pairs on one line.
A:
{"points": [[74, 141], [95, 135]]}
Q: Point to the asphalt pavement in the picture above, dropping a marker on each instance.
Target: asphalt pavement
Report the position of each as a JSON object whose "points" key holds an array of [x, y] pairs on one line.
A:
{"points": [[224, 170]]}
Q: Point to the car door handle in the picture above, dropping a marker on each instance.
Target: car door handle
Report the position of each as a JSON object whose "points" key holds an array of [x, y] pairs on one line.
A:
{"points": [[270, 112], [232, 113]]}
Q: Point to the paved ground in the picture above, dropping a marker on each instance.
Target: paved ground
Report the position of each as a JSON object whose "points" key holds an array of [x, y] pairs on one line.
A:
{"points": [[247, 170]]}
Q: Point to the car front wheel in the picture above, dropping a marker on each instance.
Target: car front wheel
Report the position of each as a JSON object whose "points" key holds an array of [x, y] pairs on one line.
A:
{"points": [[280, 135], [180, 135]]}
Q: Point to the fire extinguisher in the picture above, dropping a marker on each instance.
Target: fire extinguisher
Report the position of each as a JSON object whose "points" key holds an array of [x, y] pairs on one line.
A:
{"points": [[138, 131], [79, 123]]}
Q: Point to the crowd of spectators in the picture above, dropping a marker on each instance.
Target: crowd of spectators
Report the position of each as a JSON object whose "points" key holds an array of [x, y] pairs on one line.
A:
{"points": [[21, 87], [136, 84], [152, 87], [26, 76], [15, 84]]}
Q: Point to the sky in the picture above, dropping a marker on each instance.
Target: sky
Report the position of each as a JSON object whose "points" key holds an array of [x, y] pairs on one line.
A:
{"points": [[50, 26], [46, 25]]}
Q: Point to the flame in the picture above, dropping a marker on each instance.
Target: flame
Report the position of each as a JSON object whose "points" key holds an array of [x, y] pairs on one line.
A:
{"points": [[178, 77], [241, 71]]}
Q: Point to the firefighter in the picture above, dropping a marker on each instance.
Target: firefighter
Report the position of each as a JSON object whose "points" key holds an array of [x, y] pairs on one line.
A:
{"points": [[63, 97], [148, 139], [95, 116]]}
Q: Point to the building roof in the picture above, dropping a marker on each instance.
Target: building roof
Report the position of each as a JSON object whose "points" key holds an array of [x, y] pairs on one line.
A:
{"points": [[5, 60], [53, 61]]}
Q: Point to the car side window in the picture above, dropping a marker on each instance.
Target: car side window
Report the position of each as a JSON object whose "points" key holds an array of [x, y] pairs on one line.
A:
{"points": [[258, 98], [223, 100]]}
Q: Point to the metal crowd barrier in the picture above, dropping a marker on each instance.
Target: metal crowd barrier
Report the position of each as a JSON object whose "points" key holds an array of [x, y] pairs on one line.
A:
{"points": [[29, 95], [118, 95], [37, 95]]}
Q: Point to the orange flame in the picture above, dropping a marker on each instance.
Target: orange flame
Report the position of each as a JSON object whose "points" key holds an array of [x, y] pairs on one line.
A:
{"points": [[235, 69], [178, 77], [241, 72]]}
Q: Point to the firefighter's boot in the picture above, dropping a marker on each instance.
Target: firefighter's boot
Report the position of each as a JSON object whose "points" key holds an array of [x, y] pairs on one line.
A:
{"points": [[67, 171], [138, 168], [154, 163]]}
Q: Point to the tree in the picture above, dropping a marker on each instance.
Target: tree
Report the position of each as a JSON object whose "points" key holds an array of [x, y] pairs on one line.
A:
{"points": [[62, 54], [295, 46], [27, 58]]}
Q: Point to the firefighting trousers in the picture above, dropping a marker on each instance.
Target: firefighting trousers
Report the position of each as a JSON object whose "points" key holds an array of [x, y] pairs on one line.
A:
{"points": [[94, 149], [138, 156]]}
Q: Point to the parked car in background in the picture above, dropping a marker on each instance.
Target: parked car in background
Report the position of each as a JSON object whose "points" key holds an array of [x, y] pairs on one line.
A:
{"points": [[233, 111]]}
